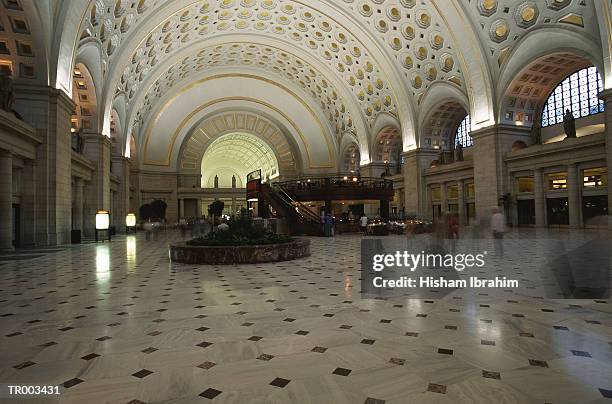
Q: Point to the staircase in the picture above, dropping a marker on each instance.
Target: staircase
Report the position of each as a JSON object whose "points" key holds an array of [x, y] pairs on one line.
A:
{"points": [[302, 221]]}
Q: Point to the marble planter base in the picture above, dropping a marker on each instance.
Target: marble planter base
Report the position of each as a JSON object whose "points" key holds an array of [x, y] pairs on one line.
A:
{"points": [[217, 255]]}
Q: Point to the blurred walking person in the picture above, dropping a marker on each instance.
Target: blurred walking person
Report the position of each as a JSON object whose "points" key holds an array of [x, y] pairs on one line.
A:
{"points": [[498, 229], [363, 224]]}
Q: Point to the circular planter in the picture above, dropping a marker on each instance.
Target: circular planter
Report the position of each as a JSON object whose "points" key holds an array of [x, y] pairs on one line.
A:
{"points": [[229, 255]]}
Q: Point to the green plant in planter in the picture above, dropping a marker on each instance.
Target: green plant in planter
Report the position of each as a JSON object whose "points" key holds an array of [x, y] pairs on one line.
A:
{"points": [[241, 232]]}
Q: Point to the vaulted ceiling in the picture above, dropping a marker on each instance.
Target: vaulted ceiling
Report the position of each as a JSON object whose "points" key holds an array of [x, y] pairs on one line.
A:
{"points": [[358, 66]]}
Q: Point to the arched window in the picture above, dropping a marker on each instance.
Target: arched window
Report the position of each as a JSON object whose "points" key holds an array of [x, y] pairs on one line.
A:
{"points": [[578, 93], [463, 133]]}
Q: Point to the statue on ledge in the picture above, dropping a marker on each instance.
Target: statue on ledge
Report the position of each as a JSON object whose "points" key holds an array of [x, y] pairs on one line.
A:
{"points": [[458, 152], [79, 142], [536, 133], [7, 94], [569, 124], [233, 181], [216, 181]]}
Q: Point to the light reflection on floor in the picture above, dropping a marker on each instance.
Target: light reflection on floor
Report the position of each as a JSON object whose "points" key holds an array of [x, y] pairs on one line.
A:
{"points": [[117, 322]]}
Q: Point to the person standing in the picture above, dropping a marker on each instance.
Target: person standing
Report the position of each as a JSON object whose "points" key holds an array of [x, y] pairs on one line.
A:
{"points": [[363, 224], [498, 228], [329, 225]]}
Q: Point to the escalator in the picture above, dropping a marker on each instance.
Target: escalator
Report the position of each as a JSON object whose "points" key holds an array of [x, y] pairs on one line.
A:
{"points": [[302, 221]]}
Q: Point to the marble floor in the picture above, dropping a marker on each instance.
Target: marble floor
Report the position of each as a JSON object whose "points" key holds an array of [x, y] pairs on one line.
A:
{"points": [[117, 323]]}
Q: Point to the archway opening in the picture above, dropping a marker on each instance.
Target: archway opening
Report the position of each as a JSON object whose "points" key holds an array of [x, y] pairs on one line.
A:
{"points": [[388, 146], [526, 96], [440, 130], [230, 158], [351, 159]]}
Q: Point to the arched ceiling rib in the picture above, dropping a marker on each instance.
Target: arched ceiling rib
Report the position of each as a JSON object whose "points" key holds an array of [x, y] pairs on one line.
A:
{"points": [[501, 24], [279, 62], [241, 152], [331, 43], [381, 52], [216, 127]]}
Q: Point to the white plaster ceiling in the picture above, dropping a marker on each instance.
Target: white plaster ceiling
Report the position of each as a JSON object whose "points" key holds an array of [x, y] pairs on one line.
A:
{"points": [[356, 61]]}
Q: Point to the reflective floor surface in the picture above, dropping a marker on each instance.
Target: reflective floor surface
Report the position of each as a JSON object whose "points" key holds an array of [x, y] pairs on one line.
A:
{"points": [[117, 323]]}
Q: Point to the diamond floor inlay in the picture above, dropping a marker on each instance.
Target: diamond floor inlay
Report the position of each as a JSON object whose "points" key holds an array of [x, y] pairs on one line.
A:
{"points": [[118, 323]]}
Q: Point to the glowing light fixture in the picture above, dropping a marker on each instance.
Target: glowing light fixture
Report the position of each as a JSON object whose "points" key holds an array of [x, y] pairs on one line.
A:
{"points": [[102, 220], [103, 223], [130, 220]]}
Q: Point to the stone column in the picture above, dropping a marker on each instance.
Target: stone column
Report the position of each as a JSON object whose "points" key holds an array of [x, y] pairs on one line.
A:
{"points": [[539, 194], [78, 204], [199, 207], [234, 206], [49, 110], [415, 163], [6, 201], [574, 199], [443, 198], [606, 96], [490, 175], [135, 186], [461, 202], [121, 167], [97, 148], [181, 208], [28, 204]]}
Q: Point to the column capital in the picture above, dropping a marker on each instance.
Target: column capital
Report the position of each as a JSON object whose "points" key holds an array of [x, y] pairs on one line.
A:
{"points": [[421, 152], [91, 136], [6, 153], [501, 129]]}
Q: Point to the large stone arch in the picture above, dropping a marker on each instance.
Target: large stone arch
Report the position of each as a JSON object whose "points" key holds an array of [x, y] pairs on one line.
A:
{"points": [[64, 43], [604, 17], [392, 84], [384, 126], [349, 157], [211, 128], [358, 124], [473, 60], [539, 62], [172, 121], [85, 97], [443, 108]]}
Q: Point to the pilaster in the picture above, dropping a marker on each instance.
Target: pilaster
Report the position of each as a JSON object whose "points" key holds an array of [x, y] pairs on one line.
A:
{"points": [[97, 148], [539, 198], [415, 162], [461, 202], [606, 96], [6, 200], [490, 176], [121, 167], [78, 204], [573, 189], [49, 110]]}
